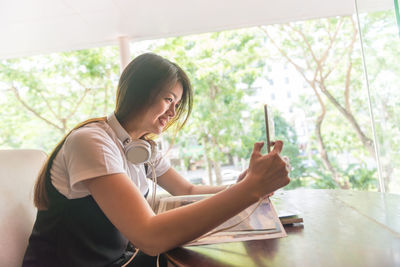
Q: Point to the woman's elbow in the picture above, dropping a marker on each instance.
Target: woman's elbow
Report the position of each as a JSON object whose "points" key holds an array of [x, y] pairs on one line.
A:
{"points": [[153, 249], [153, 246]]}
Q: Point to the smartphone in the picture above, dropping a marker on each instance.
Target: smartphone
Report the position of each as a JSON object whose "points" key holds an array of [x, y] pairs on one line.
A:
{"points": [[269, 128], [290, 219]]}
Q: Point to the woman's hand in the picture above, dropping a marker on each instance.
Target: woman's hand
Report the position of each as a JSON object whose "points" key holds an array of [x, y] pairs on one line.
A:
{"points": [[241, 177], [266, 173]]}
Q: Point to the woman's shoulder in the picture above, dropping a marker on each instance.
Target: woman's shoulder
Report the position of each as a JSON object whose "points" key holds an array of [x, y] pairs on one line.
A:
{"points": [[92, 132]]}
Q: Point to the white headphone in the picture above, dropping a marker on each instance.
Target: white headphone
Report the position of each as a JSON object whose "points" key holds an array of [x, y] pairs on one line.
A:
{"points": [[137, 151]]}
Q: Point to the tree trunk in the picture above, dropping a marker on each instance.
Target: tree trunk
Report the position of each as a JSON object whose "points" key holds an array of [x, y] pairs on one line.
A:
{"points": [[324, 155], [217, 170], [321, 145], [209, 171], [208, 161], [183, 167], [216, 164]]}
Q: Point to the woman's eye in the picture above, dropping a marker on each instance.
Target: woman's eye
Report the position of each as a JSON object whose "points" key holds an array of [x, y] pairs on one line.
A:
{"points": [[169, 99]]}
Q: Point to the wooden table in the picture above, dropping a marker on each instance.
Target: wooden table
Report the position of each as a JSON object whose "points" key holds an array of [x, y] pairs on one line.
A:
{"points": [[341, 228]]}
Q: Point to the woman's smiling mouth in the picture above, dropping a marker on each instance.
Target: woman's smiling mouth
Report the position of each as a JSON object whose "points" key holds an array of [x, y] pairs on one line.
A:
{"points": [[163, 121]]}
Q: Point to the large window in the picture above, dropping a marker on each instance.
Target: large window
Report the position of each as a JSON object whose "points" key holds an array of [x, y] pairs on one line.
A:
{"points": [[310, 73]]}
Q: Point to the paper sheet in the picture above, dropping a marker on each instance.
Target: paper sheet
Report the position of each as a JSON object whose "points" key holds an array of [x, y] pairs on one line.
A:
{"points": [[263, 223]]}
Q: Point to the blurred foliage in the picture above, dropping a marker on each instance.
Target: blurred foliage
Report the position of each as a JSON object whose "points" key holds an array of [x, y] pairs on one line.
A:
{"points": [[45, 96], [42, 97]]}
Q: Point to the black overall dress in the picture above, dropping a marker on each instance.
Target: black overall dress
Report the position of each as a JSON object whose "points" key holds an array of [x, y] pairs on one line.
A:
{"points": [[74, 233]]}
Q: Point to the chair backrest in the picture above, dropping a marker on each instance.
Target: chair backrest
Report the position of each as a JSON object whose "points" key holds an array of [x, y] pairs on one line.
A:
{"points": [[18, 171]]}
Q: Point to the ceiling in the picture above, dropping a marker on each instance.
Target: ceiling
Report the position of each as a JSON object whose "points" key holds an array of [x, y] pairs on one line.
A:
{"points": [[29, 27]]}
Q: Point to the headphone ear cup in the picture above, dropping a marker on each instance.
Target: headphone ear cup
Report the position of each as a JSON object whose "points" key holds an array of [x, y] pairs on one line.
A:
{"points": [[138, 151]]}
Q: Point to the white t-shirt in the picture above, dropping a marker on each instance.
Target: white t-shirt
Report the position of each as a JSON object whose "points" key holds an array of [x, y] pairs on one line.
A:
{"points": [[94, 150]]}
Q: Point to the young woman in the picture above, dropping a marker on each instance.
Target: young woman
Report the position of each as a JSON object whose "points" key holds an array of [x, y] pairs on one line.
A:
{"points": [[91, 192]]}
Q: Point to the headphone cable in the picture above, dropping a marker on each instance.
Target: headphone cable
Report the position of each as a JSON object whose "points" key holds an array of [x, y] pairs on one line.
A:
{"points": [[152, 204]]}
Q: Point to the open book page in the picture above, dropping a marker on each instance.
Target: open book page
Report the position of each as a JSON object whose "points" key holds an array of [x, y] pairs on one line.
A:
{"points": [[255, 222]]}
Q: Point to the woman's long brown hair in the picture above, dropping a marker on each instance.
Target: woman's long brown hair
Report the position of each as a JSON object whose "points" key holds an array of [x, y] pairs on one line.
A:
{"points": [[141, 81]]}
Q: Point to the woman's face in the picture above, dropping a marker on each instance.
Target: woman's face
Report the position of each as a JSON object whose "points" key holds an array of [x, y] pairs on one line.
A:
{"points": [[162, 110]]}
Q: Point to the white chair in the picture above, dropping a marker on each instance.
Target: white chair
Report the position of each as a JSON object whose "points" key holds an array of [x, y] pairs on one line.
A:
{"points": [[18, 171]]}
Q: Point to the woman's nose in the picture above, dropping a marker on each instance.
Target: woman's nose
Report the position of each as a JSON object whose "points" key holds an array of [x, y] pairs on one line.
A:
{"points": [[171, 110]]}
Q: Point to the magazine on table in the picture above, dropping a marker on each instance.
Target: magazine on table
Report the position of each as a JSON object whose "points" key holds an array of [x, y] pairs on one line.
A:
{"points": [[259, 221]]}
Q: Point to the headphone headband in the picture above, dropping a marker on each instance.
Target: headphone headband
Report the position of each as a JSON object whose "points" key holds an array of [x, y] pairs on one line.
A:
{"points": [[136, 151], [121, 133]]}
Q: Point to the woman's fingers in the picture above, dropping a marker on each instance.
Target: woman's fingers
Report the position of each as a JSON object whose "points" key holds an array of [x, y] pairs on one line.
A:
{"points": [[288, 166], [278, 145], [257, 149], [258, 146]]}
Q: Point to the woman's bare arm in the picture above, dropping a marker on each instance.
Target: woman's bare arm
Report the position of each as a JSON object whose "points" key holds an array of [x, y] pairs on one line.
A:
{"points": [[176, 185], [126, 208]]}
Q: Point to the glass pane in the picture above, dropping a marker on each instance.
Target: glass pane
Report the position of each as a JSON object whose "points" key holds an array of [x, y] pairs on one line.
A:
{"points": [[310, 73], [381, 43]]}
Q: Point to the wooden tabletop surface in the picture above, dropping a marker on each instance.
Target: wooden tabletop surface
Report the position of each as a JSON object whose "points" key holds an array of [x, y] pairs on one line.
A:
{"points": [[341, 228]]}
